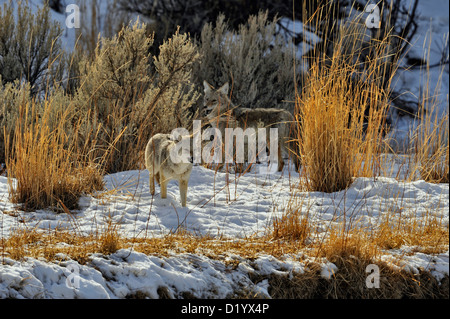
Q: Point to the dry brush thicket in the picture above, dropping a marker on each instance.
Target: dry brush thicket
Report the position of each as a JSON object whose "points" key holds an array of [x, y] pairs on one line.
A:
{"points": [[120, 97], [110, 101]]}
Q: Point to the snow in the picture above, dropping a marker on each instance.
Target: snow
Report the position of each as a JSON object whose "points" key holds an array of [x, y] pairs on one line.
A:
{"points": [[123, 274], [245, 207], [437, 265], [33, 279], [241, 209], [328, 270], [229, 206]]}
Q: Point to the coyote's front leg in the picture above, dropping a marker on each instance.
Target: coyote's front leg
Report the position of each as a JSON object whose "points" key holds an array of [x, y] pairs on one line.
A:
{"points": [[163, 183], [280, 158], [183, 191], [152, 184]]}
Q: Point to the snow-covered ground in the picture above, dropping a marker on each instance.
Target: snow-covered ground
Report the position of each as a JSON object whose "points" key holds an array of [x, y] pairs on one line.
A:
{"points": [[243, 208], [221, 205]]}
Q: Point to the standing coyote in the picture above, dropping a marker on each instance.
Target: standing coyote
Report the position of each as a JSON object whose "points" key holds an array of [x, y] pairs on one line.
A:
{"points": [[161, 166], [221, 113]]}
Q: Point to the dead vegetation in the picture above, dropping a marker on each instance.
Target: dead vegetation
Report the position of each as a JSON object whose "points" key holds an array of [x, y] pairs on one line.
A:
{"points": [[348, 282]]}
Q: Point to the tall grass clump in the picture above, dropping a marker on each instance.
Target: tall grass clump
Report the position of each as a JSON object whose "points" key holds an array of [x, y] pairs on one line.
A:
{"points": [[341, 114], [430, 140], [292, 226], [432, 149], [12, 95], [44, 169]]}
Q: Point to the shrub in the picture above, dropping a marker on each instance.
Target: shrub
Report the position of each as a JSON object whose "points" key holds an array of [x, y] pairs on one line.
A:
{"points": [[29, 46], [255, 59], [119, 69], [192, 15], [133, 95]]}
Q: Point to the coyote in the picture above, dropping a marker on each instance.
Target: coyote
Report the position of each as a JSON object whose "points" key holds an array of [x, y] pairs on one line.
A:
{"points": [[221, 113], [161, 166]]}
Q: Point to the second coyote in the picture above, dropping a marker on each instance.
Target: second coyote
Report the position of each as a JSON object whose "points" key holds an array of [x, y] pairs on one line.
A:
{"points": [[222, 114]]}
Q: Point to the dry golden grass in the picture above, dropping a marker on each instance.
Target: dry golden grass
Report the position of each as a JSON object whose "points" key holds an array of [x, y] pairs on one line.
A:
{"points": [[431, 139], [47, 244], [352, 238], [342, 244], [351, 250], [292, 226], [43, 162], [109, 238], [33, 243], [431, 148], [341, 123], [428, 235], [350, 283]]}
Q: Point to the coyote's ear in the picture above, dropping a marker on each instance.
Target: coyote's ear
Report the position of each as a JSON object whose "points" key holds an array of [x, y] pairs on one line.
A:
{"points": [[207, 87], [224, 89], [176, 137]]}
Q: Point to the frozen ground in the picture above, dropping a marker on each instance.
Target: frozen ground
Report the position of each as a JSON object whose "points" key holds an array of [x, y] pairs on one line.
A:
{"points": [[245, 207]]}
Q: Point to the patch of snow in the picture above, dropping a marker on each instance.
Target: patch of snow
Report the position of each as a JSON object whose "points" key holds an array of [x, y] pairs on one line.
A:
{"points": [[328, 270]]}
